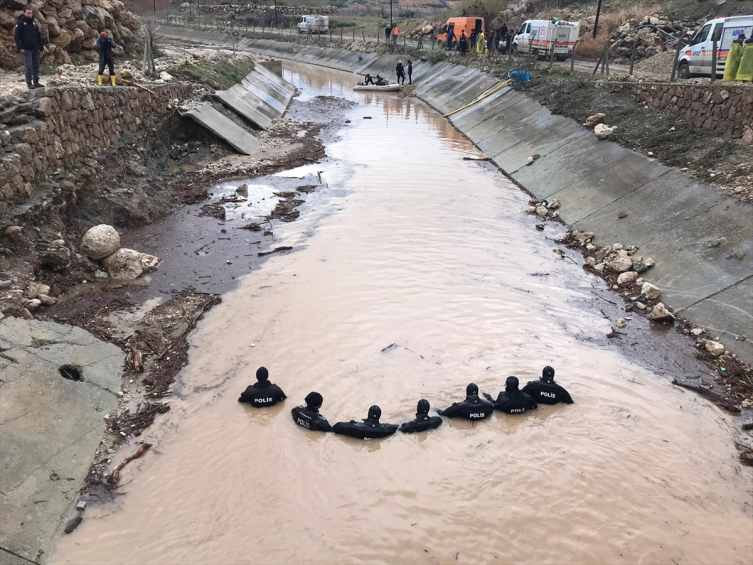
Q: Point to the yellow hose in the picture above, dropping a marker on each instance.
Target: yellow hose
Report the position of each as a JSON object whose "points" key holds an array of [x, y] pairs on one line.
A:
{"points": [[479, 99]]}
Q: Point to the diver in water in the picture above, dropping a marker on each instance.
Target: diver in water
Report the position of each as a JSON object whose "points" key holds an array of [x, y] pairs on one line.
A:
{"points": [[370, 428], [308, 416], [423, 421], [262, 393], [512, 400], [546, 391], [472, 408]]}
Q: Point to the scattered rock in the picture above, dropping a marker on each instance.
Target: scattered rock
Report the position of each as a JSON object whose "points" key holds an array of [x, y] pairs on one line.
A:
{"points": [[31, 304], [599, 268], [628, 277], [556, 204], [619, 264], [583, 236], [649, 262], [639, 266], [100, 242], [100, 274], [714, 347], [56, 257], [164, 75], [562, 237], [12, 231], [127, 264], [617, 246], [530, 161], [81, 505], [242, 190], [603, 131], [26, 315], [696, 331], [540, 227], [591, 261], [542, 211], [34, 289], [47, 300], [640, 305], [650, 291], [659, 313], [5, 284], [620, 322], [622, 215], [595, 120]]}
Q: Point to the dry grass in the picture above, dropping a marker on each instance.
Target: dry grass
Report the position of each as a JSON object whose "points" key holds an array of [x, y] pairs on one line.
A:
{"points": [[590, 47]]}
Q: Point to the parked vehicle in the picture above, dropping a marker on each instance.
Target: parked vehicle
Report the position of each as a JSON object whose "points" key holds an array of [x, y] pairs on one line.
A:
{"points": [[313, 24], [539, 36], [695, 58], [458, 25]]}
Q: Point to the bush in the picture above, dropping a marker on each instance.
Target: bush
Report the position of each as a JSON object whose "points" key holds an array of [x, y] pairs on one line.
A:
{"points": [[406, 14]]}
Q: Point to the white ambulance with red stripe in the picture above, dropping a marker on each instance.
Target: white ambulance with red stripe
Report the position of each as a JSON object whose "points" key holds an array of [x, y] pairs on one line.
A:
{"points": [[540, 36], [695, 57]]}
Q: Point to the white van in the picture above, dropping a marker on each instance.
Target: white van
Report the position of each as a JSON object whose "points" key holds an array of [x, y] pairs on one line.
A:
{"points": [[538, 36], [695, 58], [314, 24]]}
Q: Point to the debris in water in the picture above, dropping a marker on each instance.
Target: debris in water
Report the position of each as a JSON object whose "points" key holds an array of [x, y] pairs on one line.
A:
{"points": [[253, 226], [538, 274], [275, 250], [540, 227], [367, 117], [72, 524], [390, 347], [115, 477], [710, 395]]}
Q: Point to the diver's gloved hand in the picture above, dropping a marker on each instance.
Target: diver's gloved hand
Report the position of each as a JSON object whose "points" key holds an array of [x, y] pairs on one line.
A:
{"points": [[489, 397]]}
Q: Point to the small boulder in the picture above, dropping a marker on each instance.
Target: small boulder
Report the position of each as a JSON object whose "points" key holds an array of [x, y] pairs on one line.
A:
{"points": [[47, 300], [619, 264], [31, 304], [603, 131], [659, 313], [628, 277], [542, 211], [242, 190], [599, 268], [530, 161], [591, 261], [12, 231], [696, 331], [167, 77], [562, 237], [100, 242], [150, 263], [620, 322], [595, 120], [124, 264], [714, 347], [650, 291], [639, 266], [556, 204], [34, 289]]}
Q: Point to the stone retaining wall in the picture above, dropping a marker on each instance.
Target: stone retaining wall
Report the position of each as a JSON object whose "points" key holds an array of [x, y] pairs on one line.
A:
{"points": [[53, 128], [708, 106]]}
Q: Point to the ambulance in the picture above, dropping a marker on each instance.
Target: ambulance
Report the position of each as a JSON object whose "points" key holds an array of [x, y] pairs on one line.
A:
{"points": [[695, 58], [313, 24], [538, 36]]}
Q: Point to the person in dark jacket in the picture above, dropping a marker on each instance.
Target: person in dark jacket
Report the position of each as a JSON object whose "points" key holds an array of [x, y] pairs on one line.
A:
{"points": [[410, 72], [472, 408], [512, 400], [546, 391], [463, 43], [368, 429], [387, 32], [400, 72], [262, 393], [29, 44], [450, 39], [423, 421], [472, 40], [308, 416], [104, 47]]}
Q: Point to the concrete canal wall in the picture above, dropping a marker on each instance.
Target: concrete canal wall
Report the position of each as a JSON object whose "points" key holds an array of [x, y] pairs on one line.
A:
{"points": [[696, 234]]}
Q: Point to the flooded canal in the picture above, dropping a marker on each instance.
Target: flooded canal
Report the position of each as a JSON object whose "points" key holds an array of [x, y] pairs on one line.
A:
{"points": [[408, 243]]}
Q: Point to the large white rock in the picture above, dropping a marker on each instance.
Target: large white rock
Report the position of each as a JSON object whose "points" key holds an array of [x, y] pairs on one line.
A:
{"points": [[127, 264], [602, 131], [595, 120], [714, 347], [628, 277], [100, 242], [660, 313], [619, 264]]}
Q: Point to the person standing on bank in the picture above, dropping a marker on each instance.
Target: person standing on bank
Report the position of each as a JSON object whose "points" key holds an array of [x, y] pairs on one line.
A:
{"points": [[104, 47], [410, 72], [395, 33], [400, 71], [29, 44], [734, 57], [463, 43]]}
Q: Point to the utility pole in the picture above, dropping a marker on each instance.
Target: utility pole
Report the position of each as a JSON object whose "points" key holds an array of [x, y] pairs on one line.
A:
{"points": [[596, 23], [275, 13], [155, 6], [391, 25]]}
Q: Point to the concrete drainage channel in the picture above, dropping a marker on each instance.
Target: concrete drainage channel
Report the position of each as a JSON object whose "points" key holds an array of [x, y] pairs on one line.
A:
{"points": [[693, 231]]}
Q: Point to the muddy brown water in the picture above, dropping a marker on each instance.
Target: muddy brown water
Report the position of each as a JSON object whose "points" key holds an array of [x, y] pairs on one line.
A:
{"points": [[409, 244]]}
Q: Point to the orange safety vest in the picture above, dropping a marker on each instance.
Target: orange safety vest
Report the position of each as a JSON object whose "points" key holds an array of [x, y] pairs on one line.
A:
{"points": [[394, 31]]}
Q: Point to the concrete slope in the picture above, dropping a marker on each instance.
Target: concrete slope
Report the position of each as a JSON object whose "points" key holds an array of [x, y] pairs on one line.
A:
{"points": [[244, 108], [51, 427], [702, 241], [236, 136]]}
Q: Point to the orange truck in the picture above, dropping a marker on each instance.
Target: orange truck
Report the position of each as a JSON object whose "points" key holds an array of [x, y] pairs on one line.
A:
{"points": [[469, 24]]}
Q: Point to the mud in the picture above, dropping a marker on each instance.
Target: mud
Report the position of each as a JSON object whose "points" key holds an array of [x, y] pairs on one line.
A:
{"points": [[412, 273]]}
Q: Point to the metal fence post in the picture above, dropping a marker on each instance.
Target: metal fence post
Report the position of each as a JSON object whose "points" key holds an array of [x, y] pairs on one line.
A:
{"points": [[677, 55], [713, 60], [632, 55]]}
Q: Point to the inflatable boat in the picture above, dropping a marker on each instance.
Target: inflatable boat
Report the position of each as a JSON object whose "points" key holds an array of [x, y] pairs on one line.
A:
{"points": [[374, 88]]}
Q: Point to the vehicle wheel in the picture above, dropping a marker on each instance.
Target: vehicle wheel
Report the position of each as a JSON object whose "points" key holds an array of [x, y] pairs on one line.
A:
{"points": [[561, 58], [683, 71]]}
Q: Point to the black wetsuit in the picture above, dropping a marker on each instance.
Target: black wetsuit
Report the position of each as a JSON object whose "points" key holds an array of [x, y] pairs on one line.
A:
{"points": [[368, 429], [262, 394], [472, 408], [515, 402], [422, 423], [547, 393], [310, 419]]}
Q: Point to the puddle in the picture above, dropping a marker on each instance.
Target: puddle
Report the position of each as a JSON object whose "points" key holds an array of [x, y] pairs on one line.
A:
{"points": [[409, 244]]}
